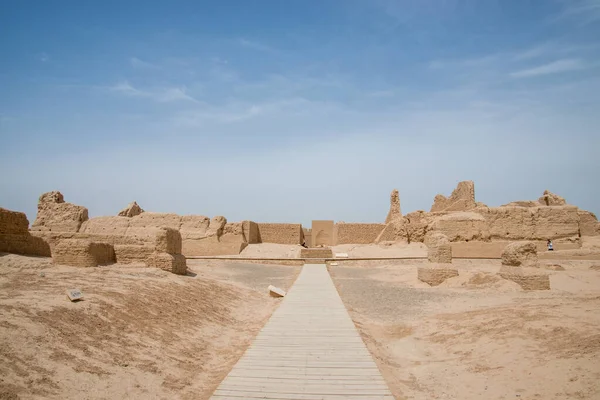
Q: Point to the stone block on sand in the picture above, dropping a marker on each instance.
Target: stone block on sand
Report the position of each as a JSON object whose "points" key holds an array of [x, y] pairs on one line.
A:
{"points": [[439, 249], [520, 254], [174, 263], [526, 279]]}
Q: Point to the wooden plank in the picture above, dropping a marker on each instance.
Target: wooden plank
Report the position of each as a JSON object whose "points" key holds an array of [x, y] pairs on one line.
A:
{"points": [[309, 349]]}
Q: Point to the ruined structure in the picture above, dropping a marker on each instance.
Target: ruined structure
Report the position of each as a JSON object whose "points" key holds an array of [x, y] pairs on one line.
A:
{"points": [[520, 254], [167, 252], [131, 210], [471, 228], [461, 199], [57, 216], [439, 249], [518, 259], [82, 253], [322, 233], [439, 255], [395, 212], [15, 236], [476, 230]]}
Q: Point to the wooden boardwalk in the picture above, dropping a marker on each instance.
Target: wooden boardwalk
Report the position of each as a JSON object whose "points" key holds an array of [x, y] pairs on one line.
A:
{"points": [[308, 350]]}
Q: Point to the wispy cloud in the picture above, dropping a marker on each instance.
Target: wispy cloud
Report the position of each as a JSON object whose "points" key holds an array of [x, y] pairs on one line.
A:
{"points": [[254, 45], [550, 68], [467, 62], [236, 111], [44, 57], [137, 63], [162, 95], [584, 11]]}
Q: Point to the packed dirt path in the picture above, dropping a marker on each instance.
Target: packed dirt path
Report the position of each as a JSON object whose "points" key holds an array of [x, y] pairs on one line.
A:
{"points": [[308, 350], [139, 332]]}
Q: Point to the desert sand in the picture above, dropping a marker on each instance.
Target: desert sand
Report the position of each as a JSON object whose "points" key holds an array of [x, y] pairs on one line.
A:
{"points": [[146, 333], [139, 332], [478, 336]]}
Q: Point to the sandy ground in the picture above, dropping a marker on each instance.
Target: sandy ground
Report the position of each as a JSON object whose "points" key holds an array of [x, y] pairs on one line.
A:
{"points": [[478, 336], [139, 333], [272, 250], [382, 250]]}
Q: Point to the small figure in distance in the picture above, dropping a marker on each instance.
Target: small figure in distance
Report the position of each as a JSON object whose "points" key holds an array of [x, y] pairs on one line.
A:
{"points": [[550, 247], [304, 244]]}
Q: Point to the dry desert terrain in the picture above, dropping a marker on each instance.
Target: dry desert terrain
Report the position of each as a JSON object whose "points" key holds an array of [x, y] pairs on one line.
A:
{"points": [[145, 333]]}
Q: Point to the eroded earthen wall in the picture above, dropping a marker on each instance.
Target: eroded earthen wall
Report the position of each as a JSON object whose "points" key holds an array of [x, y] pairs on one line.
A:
{"points": [[280, 233], [357, 233], [15, 237]]}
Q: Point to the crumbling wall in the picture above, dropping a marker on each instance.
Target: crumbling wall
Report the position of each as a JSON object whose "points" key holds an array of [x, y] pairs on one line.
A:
{"points": [[532, 223], [518, 261], [588, 224], [462, 226], [112, 226], [280, 233], [251, 233], [167, 252], [322, 233], [82, 253], [439, 249], [357, 233], [461, 199], [57, 216], [520, 254], [13, 222], [145, 226], [15, 237], [132, 253], [551, 199], [131, 210], [395, 212]]}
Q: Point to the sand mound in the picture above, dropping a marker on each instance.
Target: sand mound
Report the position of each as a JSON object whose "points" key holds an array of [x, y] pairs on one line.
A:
{"points": [[139, 333], [481, 281]]}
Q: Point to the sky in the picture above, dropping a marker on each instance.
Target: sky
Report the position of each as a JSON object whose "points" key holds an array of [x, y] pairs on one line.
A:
{"points": [[289, 111]]}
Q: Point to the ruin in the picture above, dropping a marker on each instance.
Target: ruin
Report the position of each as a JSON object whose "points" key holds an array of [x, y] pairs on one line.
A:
{"points": [[82, 253], [517, 260], [395, 212], [167, 252], [439, 255], [16, 238], [472, 229], [461, 199], [131, 210]]}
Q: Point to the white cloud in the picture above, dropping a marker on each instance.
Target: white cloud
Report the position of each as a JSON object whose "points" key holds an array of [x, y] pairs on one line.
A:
{"points": [[584, 11], [550, 68], [162, 95], [137, 63], [174, 94], [254, 45], [126, 89], [44, 57]]}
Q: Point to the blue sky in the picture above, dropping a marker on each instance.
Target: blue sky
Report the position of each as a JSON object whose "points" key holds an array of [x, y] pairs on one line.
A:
{"points": [[297, 110]]}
